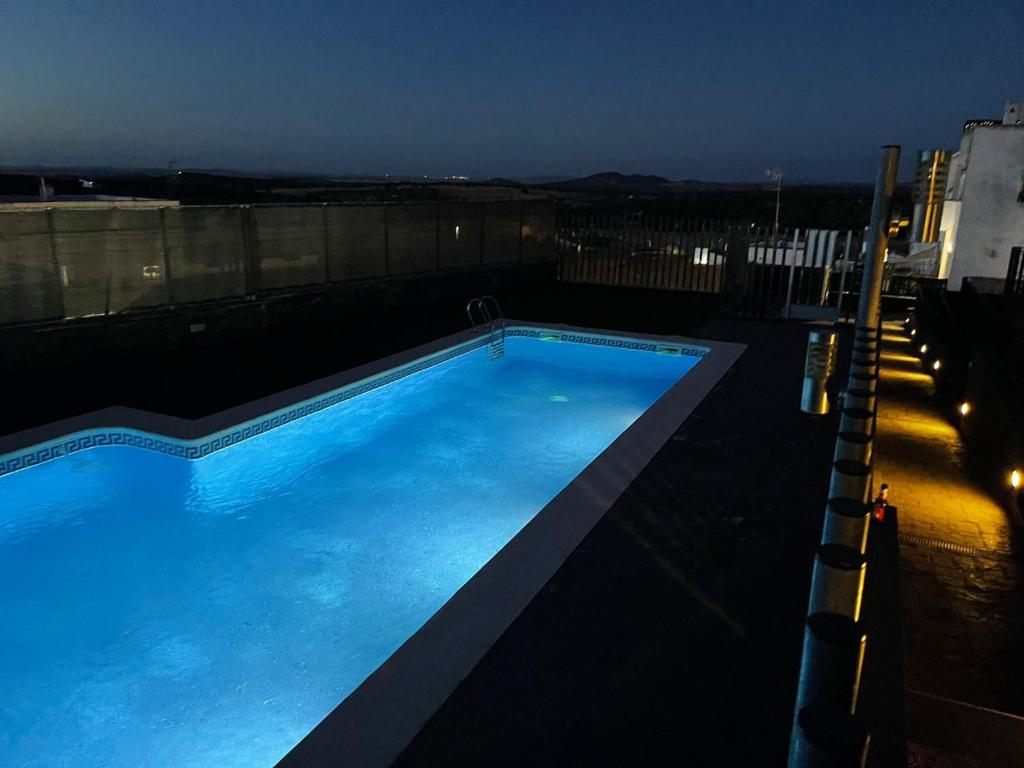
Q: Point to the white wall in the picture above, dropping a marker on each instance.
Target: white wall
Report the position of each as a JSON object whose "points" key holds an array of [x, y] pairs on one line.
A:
{"points": [[991, 220]]}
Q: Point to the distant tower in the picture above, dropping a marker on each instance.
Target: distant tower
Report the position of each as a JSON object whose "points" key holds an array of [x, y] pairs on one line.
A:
{"points": [[929, 190]]}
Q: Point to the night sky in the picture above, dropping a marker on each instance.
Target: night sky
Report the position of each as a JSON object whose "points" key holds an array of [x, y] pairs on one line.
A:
{"points": [[716, 90]]}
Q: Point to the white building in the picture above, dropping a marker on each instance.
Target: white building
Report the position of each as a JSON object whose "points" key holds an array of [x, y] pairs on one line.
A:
{"points": [[983, 213]]}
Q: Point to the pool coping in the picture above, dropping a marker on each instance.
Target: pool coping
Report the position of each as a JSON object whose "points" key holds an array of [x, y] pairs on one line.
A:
{"points": [[373, 724]]}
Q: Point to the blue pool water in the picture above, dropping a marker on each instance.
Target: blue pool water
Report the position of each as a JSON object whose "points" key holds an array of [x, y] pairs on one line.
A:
{"points": [[156, 611]]}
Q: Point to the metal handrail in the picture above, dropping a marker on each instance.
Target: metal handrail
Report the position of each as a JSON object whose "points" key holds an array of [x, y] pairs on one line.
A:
{"points": [[469, 313], [489, 311], [498, 315], [491, 319]]}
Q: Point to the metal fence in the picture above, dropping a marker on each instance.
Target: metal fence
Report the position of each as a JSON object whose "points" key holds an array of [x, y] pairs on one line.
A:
{"points": [[70, 263], [796, 272], [641, 251], [759, 271]]}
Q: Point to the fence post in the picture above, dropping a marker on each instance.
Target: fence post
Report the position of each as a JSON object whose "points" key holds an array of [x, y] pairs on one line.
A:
{"points": [[792, 271], [733, 287], [483, 232], [56, 262], [437, 237], [1014, 279], [251, 249], [327, 244], [166, 253], [826, 272], [522, 216], [108, 262], [842, 275], [387, 217]]}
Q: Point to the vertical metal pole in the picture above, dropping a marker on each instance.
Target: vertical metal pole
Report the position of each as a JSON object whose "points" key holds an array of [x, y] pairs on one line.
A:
{"points": [[109, 261], [251, 246], [387, 245], [483, 235], [522, 216], [778, 201], [56, 262], [622, 251], [826, 272], [437, 237], [825, 674], [327, 245], [166, 252], [792, 271], [869, 306], [842, 275]]}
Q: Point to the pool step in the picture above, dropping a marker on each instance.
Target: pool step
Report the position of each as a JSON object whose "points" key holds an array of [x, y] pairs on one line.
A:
{"points": [[498, 345]]}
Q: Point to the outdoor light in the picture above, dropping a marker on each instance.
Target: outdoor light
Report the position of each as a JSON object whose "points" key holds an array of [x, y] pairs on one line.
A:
{"points": [[965, 408], [936, 365], [1015, 478], [456, 231], [924, 348], [913, 331]]}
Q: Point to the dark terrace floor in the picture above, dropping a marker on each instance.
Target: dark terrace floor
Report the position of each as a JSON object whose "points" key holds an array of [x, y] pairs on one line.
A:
{"points": [[672, 635]]}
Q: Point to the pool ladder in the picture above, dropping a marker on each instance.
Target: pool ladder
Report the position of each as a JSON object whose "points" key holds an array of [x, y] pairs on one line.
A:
{"points": [[487, 311]]}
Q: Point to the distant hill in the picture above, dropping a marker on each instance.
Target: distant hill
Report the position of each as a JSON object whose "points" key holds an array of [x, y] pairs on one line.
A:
{"points": [[611, 181]]}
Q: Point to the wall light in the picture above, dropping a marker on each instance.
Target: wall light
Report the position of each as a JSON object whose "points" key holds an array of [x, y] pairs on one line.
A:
{"points": [[1015, 479], [924, 348], [936, 365], [965, 408]]}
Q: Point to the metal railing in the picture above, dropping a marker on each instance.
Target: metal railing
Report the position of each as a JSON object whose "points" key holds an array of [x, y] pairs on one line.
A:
{"points": [[759, 271], [488, 312], [641, 250]]}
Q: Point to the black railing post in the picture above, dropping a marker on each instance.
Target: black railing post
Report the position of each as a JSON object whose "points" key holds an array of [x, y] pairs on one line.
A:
{"points": [[1015, 272], [57, 274]]}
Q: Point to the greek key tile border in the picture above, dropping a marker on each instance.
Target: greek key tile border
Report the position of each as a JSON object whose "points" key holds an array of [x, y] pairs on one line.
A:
{"points": [[197, 449]]}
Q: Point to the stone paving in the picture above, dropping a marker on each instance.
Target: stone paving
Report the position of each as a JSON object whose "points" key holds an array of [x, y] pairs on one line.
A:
{"points": [[963, 582]]}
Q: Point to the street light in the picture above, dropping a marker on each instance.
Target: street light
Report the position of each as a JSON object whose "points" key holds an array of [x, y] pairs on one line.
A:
{"points": [[775, 174]]}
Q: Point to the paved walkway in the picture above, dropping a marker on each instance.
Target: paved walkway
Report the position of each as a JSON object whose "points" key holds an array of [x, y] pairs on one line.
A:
{"points": [[963, 581]]}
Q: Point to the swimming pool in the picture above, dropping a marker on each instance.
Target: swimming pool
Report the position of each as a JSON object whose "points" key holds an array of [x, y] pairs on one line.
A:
{"points": [[208, 600]]}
